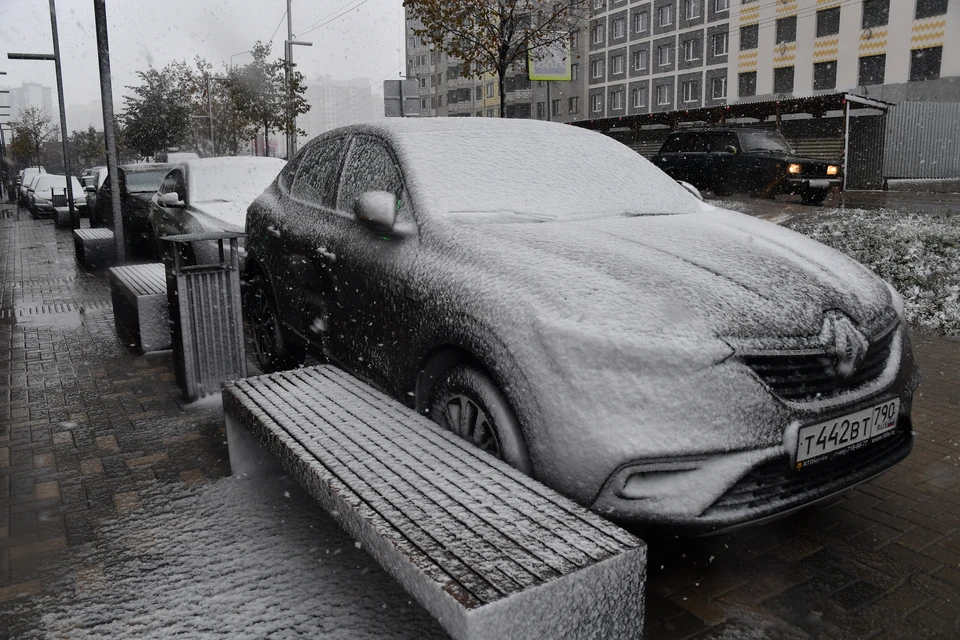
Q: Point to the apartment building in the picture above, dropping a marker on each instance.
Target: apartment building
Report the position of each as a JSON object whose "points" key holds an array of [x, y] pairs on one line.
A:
{"points": [[30, 94], [336, 103]]}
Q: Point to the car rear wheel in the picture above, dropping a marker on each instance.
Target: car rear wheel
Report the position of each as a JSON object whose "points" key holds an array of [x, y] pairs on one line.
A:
{"points": [[468, 403], [273, 350], [813, 196]]}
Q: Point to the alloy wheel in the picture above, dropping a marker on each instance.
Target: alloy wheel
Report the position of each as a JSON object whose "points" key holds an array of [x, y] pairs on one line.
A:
{"points": [[464, 417]]}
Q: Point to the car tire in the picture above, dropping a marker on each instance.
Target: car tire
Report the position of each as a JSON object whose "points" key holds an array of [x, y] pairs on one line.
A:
{"points": [[813, 196], [274, 350], [467, 402]]}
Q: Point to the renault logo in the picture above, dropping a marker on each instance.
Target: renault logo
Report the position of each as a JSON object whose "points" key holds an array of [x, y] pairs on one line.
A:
{"points": [[845, 343]]}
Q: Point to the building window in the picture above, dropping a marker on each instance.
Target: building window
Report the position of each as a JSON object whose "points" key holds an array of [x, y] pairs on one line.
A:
{"points": [[748, 84], [721, 5], [641, 21], [665, 15], [616, 100], [638, 98], [575, 71], [598, 4], [490, 113], [490, 90], [691, 91], [828, 22], [555, 107], [541, 110], [638, 60], [478, 93], [689, 50], [573, 104], [596, 35], [616, 65], [575, 39], [718, 88], [423, 104], [876, 13], [925, 64], [825, 75], [928, 8], [783, 80], [663, 94], [749, 37], [596, 103], [619, 28], [596, 69], [872, 70], [663, 54], [787, 29], [720, 41], [691, 9]]}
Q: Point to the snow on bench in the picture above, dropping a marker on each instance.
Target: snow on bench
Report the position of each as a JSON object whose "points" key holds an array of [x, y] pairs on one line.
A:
{"points": [[488, 551], [94, 247], [139, 294]]}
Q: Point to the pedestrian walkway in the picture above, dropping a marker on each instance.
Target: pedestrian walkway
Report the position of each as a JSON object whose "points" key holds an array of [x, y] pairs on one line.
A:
{"points": [[89, 428]]}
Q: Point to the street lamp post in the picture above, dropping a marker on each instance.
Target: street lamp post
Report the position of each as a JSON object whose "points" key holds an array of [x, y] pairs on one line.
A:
{"points": [[55, 57], [109, 134], [288, 45]]}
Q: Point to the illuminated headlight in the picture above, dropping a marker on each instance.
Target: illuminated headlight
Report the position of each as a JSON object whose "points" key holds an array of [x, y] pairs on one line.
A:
{"points": [[832, 170], [794, 168]]}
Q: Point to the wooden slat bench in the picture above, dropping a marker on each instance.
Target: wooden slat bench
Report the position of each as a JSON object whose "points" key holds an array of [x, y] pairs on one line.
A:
{"points": [[139, 295], [95, 248], [489, 552]]}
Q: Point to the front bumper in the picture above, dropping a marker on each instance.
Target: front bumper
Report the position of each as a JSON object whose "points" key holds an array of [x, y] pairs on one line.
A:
{"points": [[806, 183]]}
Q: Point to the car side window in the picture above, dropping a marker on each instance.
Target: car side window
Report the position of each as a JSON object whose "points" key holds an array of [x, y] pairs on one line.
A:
{"points": [[719, 141], [318, 171], [173, 183], [694, 143], [371, 167], [672, 143]]}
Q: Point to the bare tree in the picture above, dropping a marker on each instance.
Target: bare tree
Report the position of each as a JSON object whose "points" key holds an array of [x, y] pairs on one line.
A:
{"points": [[30, 132], [491, 35]]}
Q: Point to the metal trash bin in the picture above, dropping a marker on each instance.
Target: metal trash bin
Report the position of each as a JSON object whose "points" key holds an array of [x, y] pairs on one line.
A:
{"points": [[206, 320]]}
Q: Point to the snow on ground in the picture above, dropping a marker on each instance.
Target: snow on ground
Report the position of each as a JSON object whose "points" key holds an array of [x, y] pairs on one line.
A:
{"points": [[239, 558], [918, 253]]}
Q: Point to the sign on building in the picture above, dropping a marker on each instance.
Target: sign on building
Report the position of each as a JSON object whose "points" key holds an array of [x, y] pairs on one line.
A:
{"points": [[401, 98], [551, 62]]}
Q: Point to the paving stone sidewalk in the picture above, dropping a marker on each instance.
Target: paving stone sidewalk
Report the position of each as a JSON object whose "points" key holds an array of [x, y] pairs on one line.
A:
{"points": [[87, 426]]}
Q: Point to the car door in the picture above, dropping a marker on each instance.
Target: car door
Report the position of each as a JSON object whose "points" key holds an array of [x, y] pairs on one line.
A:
{"points": [[667, 159], [309, 296], [373, 268], [693, 162], [168, 221], [723, 172]]}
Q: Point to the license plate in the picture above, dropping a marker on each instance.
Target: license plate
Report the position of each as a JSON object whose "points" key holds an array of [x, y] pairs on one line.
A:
{"points": [[819, 184], [823, 441]]}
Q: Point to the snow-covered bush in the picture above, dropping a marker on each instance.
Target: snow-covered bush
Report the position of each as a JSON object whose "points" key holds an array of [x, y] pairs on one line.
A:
{"points": [[918, 253]]}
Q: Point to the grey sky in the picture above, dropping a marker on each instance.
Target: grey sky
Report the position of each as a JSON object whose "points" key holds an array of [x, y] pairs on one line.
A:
{"points": [[365, 42]]}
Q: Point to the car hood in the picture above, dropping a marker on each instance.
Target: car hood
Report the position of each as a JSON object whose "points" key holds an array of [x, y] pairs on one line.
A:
{"points": [[716, 273]]}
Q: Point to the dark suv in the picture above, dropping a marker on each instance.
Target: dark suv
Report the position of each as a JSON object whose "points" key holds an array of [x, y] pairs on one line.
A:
{"points": [[754, 161]]}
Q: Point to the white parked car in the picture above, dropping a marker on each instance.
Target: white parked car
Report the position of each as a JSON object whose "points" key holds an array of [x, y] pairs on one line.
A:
{"points": [[23, 182], [48, 195], [209, 194]]}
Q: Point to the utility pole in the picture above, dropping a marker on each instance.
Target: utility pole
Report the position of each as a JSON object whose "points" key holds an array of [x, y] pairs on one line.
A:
{"points": [[106, 99], [74, 214], [213, 143], [288, 77]]}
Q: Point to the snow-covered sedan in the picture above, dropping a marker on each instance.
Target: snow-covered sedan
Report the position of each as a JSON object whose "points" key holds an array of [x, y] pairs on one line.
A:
{"points": [[209, 194], [551, 296]]}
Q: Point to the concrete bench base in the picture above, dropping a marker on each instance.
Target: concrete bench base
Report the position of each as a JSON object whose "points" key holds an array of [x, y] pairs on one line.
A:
{"points": [[139, 294], [95, 248], [489, 552]]}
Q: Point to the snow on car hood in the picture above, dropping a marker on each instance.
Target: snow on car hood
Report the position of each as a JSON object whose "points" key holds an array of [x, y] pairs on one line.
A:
{"points": [[232, 214], [716, 272]]}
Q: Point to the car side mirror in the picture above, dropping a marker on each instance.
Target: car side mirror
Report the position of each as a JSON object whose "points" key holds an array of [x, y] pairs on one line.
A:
{"points": [[171, 201], [90, 188], [732, 150], [377, 210], [692, 189]]}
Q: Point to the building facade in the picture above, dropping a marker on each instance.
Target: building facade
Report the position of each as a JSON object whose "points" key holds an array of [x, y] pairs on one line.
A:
{"points": [[634, 57], [30, 94], [336, 103]]}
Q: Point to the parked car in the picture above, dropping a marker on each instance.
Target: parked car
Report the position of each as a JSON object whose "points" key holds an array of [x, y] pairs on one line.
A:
{"points": [[586, 319], [755, 161], [138, 183], [48, 195], [209, 194], [23, 182], [91, 183]]}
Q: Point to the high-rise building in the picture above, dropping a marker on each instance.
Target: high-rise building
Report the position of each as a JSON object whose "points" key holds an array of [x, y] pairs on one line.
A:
{"points": [[30, 94], [337, 103]]}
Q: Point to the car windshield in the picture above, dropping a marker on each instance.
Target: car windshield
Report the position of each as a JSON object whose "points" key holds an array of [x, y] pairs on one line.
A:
{"points": [[231, 179], [144, 181], [760, 141], [527, 170], [48, 182]]}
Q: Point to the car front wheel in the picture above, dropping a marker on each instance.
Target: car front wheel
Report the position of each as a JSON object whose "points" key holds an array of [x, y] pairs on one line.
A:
{"points": [[273, 350], [468, 403]]}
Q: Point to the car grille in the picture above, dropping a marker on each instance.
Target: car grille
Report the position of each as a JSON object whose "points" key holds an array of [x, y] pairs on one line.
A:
{"points": [[59, 200], [811, 375], [775, 481]]}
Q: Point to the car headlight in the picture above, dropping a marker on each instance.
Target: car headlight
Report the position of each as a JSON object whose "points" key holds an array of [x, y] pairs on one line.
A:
{"points": [[794, 168], [833, 170], [39, 200]]}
